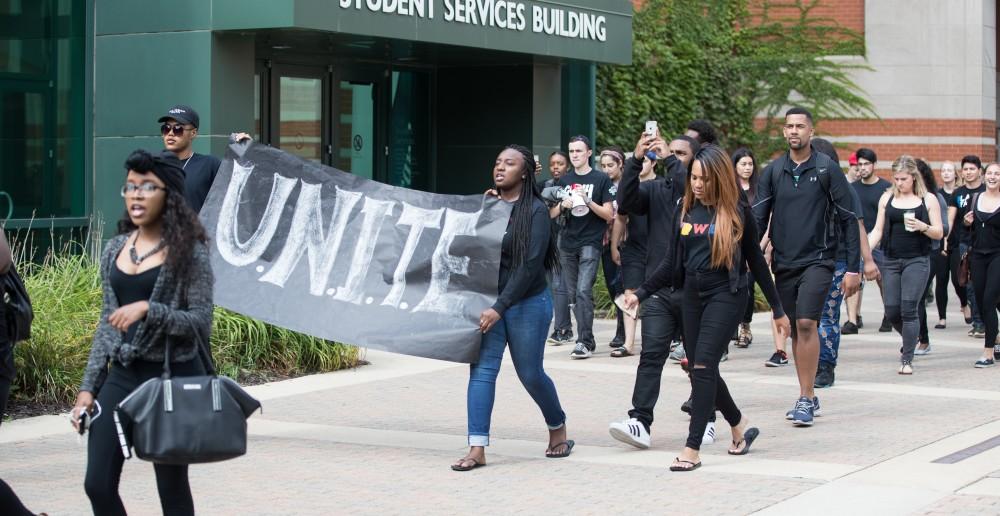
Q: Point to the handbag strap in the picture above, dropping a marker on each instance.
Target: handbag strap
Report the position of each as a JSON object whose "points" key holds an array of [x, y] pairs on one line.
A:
{"points": [[203, 353]]}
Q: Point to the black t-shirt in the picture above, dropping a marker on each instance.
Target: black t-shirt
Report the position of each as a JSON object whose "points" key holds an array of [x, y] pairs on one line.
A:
{"points": [[199, 174], [588, 229], [696, 237], [986, 231], [900, 243], [869, 196], [960, 201], [856, 207]]}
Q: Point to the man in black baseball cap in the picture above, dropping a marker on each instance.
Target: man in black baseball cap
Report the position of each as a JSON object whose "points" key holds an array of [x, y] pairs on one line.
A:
{"points": [[179, 129]]}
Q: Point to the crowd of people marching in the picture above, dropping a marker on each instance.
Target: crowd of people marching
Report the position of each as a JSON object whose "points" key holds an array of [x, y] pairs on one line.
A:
{"points": [[686, 232]]}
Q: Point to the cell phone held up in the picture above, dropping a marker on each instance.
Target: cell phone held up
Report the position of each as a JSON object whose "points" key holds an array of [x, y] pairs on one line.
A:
{"points": [[651, 130]]}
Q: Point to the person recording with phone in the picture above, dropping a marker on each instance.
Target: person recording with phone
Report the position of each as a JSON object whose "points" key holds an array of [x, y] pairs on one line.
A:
{"points": [[157, 292], [714, 243]]}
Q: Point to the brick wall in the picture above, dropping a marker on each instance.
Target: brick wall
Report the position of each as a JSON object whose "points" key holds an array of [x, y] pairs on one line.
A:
{"points": [[847, 13]]}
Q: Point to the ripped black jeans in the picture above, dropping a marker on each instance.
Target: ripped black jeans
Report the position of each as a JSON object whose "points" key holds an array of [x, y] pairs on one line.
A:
{"points": [[711, 314]]}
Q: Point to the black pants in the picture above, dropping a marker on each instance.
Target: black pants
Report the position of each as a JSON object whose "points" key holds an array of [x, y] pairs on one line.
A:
{"points": [[711, 313], [922, 310], [10, 504], [748, 313], [941, 272], [7, 374], [986, 282], [613, 280], [661, 324], [954, 257], [104, 454]]}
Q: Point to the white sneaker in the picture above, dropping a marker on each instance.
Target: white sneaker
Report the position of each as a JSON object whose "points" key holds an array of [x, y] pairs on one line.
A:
{"points": [[581, 351], [709, 437], [630, 431]]}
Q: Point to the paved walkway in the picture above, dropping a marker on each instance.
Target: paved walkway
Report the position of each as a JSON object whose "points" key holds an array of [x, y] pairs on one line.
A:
{"points": [[379, 439]]}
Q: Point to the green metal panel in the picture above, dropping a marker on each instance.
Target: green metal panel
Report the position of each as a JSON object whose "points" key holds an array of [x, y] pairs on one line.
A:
{"points": [[109, 175], [331, 16], [578, 98], [137, 16], [139, 76]]}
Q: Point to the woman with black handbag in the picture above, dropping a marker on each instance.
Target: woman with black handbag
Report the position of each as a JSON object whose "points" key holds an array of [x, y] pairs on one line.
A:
{"points": [[157, 283], [6, 346]]}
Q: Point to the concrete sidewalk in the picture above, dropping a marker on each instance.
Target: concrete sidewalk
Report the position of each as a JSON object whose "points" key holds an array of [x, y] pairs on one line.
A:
{"points": [[379, 439]]}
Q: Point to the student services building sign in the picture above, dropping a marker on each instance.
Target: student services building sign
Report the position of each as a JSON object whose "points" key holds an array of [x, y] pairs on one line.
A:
{"points": [[589, 30]]}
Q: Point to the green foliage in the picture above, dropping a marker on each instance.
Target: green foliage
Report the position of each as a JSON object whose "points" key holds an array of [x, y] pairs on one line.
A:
{"points": [[65, 290], [711, 59]]}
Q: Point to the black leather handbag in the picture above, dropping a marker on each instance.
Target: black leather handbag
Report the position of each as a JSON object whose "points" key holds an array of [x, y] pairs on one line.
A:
{"points": [[16, 306], [186, 419]]}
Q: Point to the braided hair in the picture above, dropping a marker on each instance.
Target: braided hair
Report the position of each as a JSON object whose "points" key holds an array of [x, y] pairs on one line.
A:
{"points": [[520, 218]]}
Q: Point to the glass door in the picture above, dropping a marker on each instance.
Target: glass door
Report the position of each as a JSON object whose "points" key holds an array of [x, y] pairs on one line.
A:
{"points": [[354, 127], [297, 123]]}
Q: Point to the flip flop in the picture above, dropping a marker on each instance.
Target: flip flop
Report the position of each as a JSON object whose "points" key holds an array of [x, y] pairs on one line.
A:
{"points": [[621, 352], [462, 467], [693, 465], [569, 449], [748, 438]]}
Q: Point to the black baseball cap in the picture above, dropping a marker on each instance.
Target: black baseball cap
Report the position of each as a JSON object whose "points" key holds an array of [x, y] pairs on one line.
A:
{"points": [[181, 113]]}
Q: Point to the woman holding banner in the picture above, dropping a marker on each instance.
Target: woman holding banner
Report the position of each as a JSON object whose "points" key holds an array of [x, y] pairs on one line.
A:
{"points": [[521, 315]]}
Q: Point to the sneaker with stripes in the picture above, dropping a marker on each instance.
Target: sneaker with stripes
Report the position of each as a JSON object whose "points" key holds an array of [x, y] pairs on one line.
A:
{"points": [[630, 431]]}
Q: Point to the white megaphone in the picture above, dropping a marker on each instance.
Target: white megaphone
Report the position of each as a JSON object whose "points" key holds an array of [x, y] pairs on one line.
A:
{"points": [[580, 207]]}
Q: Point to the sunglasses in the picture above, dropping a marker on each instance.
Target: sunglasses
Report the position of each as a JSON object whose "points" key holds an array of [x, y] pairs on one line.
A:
{"points": [[145, 188], [177, 129]]}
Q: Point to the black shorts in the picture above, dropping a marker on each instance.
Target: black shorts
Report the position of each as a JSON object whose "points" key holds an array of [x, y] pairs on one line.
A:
{"points": [[803, 291], [633, 269]]}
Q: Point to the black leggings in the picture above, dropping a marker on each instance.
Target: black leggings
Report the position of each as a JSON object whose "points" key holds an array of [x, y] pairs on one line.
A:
{"points": [[104, 454], [748, 313], [10, 504], [709, 321], [7, 374], [924, 337], [986, 282], [954, 256], [941, 273]]}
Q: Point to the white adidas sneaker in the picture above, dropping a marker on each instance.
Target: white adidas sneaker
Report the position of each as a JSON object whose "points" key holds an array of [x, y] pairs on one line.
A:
{"points": [[709, 437], [630, 431]]}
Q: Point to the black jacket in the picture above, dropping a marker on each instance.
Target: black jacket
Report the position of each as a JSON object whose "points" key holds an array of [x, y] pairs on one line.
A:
{"points": [[656, 200], [797, 210], [671, 270]]}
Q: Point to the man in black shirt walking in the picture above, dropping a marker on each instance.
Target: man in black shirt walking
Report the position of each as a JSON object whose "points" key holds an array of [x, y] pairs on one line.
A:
{"points": [[869, 188], [800, 208], [958, 206], [587, 192], [179, 129]]}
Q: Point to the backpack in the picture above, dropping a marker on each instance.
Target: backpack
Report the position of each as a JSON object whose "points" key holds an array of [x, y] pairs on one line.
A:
{"points": [[17, 306], [822, 164]]}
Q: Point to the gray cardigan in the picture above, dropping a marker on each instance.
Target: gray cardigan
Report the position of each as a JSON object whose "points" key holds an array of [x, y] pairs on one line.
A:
{"points": [[170, 318]]}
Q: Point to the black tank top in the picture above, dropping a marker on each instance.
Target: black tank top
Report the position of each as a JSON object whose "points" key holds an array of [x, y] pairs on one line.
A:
{"points": [[900, 243], [985, 231], [129, 288]]}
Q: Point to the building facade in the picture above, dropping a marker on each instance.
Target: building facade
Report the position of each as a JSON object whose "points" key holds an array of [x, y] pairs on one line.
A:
{"points": [[414, 93]]}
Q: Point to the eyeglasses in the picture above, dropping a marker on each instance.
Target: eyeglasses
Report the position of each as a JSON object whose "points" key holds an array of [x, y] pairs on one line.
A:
{"points": [[177, 129], [145, 188]]}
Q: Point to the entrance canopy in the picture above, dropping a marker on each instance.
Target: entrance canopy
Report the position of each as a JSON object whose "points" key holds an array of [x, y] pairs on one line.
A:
{"points": [[589, 30]]}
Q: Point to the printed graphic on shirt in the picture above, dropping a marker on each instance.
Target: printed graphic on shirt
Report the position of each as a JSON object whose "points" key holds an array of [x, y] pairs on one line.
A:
{"points": [[698, 229], [962, 200], [587, 189]]}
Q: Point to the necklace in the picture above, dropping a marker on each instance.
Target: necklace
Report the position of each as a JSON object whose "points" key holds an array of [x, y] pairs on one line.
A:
{"points": [[136, 259], [186, 162]]}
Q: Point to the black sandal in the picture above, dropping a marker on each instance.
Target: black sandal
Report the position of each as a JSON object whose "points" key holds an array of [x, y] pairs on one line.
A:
{"points": [[748, 438], [462, 467], [569, 444], [677, 467], [621, 352]]}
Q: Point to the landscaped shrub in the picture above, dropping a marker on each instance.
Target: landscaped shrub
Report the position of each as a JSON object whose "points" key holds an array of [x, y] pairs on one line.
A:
{"points": [[65, 290]]}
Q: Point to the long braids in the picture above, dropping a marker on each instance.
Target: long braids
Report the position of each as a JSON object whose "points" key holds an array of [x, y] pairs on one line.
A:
{"points": [[520, 222]]}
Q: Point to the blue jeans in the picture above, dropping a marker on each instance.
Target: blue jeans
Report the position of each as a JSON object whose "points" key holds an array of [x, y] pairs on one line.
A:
{"points": [[829, 322], [579, 268], [523, 327], [970, 292]]}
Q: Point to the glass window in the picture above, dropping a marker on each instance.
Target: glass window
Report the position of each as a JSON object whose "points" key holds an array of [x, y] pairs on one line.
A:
{"points": [[356, 128], [42, 112]]}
